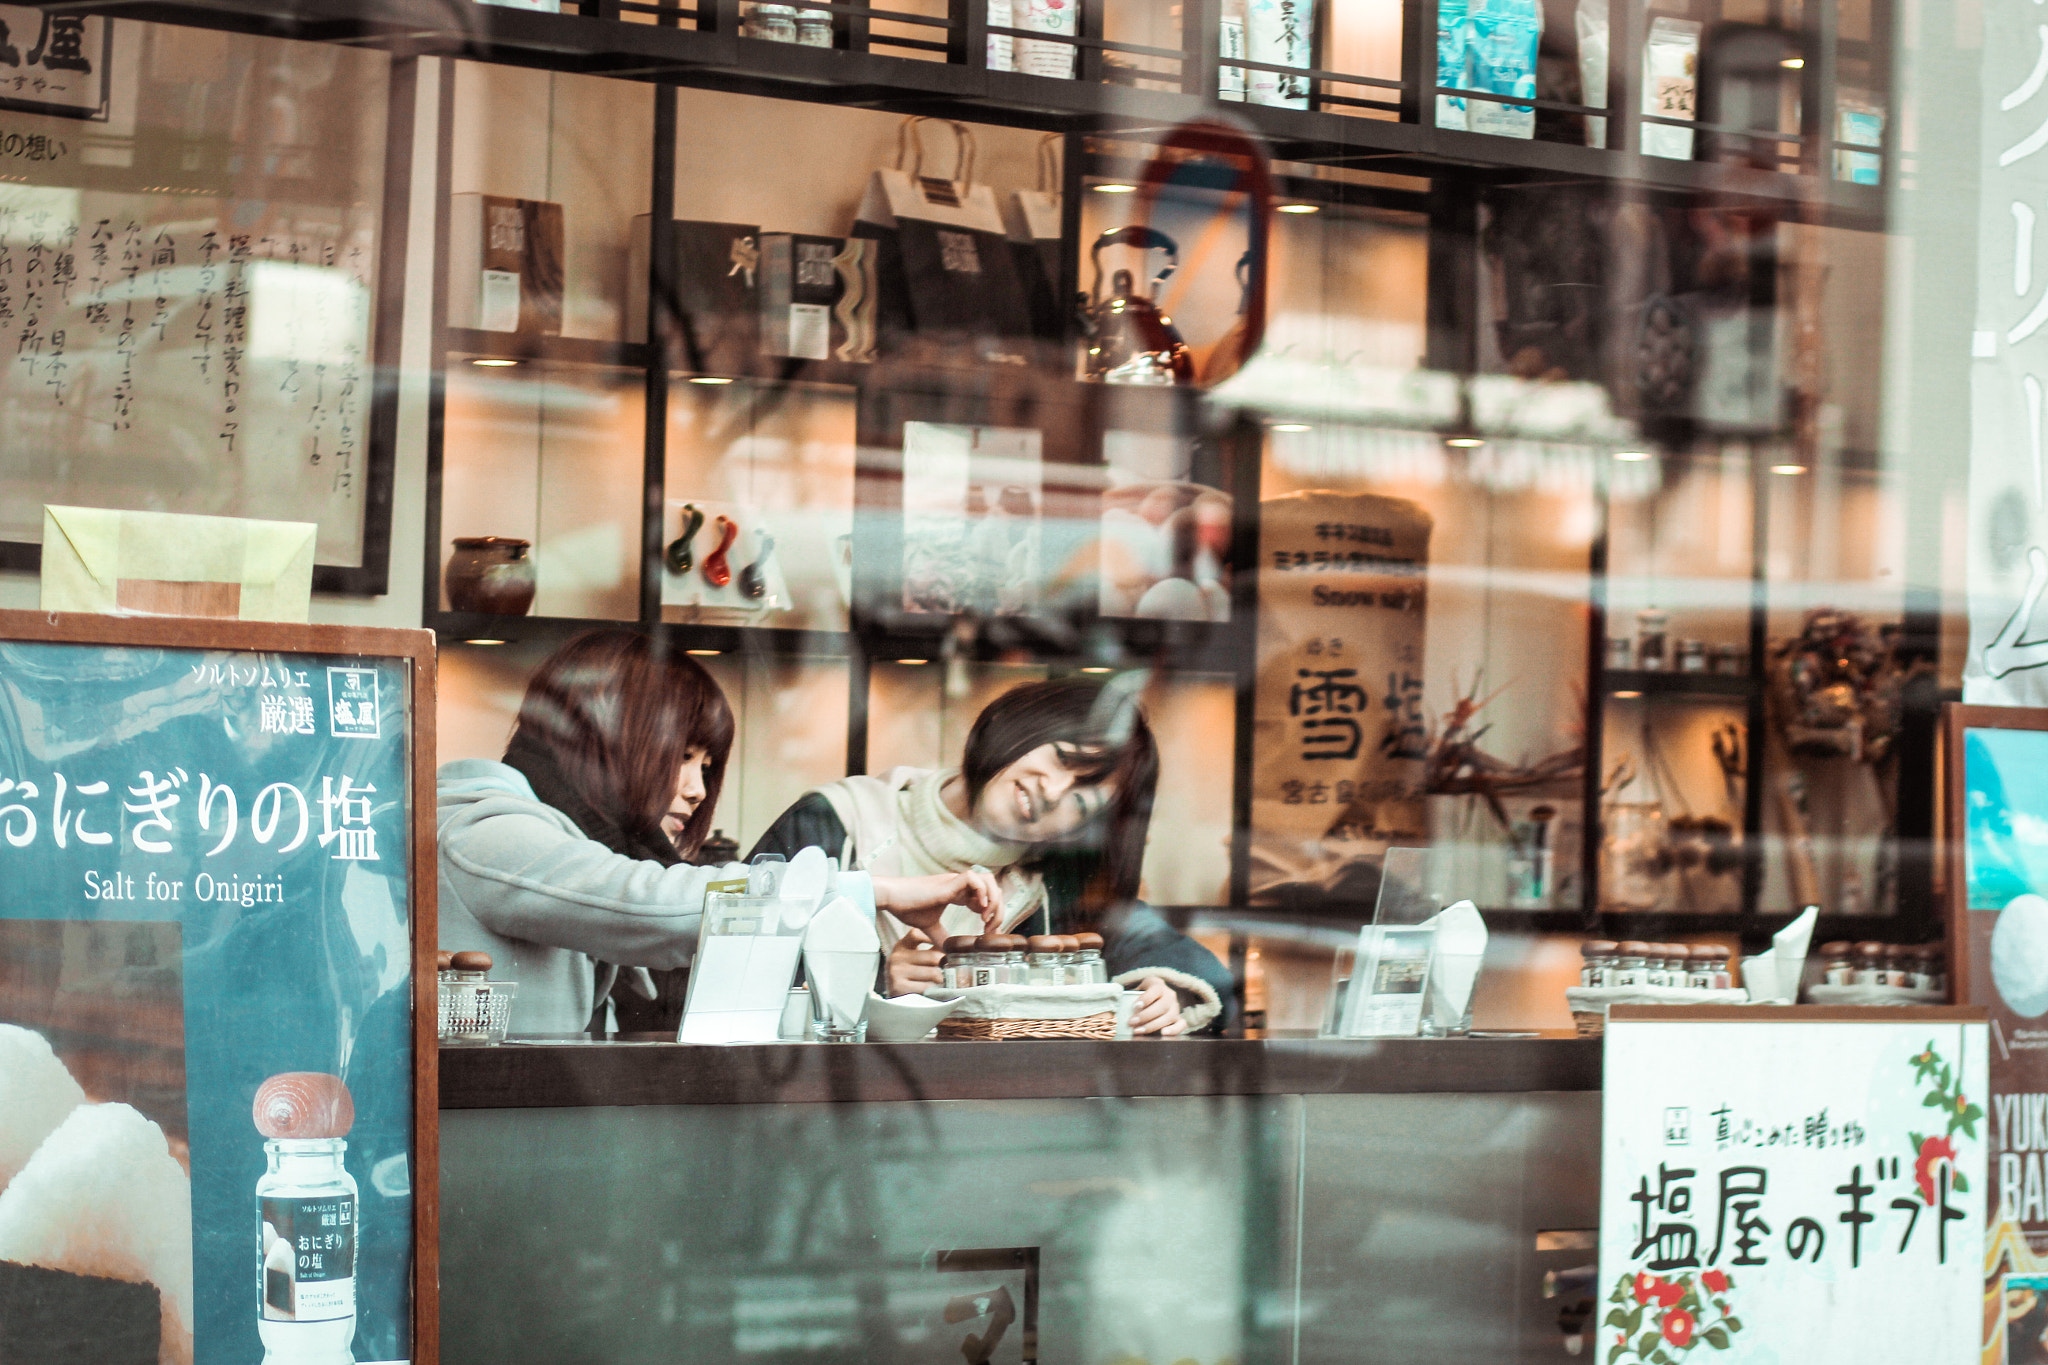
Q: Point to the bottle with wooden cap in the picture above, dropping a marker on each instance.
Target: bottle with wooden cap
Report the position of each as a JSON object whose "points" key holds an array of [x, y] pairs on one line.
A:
{"points": [[957, 973], [1043, 960], [1629, 968], [1838, 963], [306, 1211], [1870, 966], [1015, 971], [467, 966], [1596, 961], [1088, 961]]}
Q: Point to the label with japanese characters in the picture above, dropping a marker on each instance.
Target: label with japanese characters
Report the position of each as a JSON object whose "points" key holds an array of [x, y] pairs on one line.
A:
{"points": [[1339, 732], [1777, 1191], [320, 1234], [212, 845]]}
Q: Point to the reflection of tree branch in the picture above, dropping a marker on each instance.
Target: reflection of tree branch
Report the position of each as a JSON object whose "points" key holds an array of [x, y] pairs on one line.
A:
{"points": [[997, 1306]]}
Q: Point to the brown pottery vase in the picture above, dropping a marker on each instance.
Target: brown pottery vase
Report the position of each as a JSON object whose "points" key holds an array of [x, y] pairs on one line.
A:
{"points": [[490, 574]]}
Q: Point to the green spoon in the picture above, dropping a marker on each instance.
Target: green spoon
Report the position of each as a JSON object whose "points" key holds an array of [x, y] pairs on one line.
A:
{"points": [[679, 559]]}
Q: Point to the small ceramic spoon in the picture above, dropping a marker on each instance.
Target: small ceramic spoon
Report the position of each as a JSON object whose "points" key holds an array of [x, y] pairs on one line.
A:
{"points": [[679, 557], [754, 578], [717, 572]]}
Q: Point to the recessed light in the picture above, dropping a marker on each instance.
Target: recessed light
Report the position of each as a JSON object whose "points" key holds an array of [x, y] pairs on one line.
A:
{"points": [[1788, 469], [1116, 189], [1628, 694], [1464, 442], [483, 642], [1633, 455], [1292, 426], [1301, 208], [913, 661], [1792, 63], [708, 379], [1098, 670], [704, 653], [494, 364]]}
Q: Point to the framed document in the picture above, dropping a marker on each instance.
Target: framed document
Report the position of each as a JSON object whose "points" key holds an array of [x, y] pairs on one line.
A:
{"points": [[217, 1091]]}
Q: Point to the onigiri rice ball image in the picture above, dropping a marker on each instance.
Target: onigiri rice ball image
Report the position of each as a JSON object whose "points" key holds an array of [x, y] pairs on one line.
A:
{"points": [[104, 1196], [36, 1092], [2019, 955]]}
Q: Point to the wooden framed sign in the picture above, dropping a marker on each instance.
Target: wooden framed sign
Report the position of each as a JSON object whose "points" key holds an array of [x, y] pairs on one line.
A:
{"points": [[217, 1054], [1782, 1184], [1997, 810]]}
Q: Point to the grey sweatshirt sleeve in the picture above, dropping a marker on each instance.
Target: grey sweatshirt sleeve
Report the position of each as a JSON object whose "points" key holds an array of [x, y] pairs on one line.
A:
{"points": [[522, 876]]}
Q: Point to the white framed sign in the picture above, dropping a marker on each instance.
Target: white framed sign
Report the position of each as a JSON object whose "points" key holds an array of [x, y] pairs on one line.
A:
{"points": [[1785, 1185]]}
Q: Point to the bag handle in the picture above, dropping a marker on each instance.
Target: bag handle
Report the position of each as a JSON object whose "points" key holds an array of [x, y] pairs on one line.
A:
{"points": [[908, 135]]}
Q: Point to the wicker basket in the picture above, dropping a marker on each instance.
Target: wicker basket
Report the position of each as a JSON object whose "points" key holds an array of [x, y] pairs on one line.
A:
{"points": [[997, 1030], [1590, 1023]]}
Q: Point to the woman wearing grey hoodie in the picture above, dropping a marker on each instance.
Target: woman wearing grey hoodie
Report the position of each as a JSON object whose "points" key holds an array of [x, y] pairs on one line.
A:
{"points": [[568, 860]]}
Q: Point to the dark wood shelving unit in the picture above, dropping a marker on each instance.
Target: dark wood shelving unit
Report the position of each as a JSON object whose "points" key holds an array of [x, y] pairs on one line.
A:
{"points": [[1618, 682]]}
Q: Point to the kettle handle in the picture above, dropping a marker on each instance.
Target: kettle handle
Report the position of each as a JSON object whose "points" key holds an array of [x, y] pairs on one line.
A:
{"points": [[1137, 235]]}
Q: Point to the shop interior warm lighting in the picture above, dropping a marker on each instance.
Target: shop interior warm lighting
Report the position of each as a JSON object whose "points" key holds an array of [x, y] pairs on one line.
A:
{"points": [[1292, 426], [1098, 670], [913, 661], [1301, 208], [704, 653], [483, 642], [1626, 695], [1788, 469], [1116, 189], [708, 379], [1464, 442], [494, 364], [1633, 455], [1793, 63]]}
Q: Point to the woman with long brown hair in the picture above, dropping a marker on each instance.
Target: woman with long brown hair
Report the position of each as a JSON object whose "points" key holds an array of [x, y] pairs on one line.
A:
{"points": [[569, 860], [1054, 794]]}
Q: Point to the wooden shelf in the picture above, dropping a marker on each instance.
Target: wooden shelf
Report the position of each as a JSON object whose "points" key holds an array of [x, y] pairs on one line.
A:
{"points": [[472, 627], [1678, 686], [527, 347]]}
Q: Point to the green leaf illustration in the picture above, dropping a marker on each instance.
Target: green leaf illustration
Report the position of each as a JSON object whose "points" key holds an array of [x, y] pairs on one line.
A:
{"points": [[1657, 1357], [1932, 1101], [1721, 1306], [1716, 1338], [1732, 1324], [1645, 1344], [1961, 1183], [1690, 1301], [1635, 1320], [1915, 1140], [1620, 1350], [1617, 1318]]}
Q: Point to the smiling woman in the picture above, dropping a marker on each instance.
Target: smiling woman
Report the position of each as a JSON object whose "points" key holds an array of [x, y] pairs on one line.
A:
{"points": [[1054, 794]]}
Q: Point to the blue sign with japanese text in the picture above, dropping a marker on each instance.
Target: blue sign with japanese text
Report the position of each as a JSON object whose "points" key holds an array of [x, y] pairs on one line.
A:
{"points": [[205, 988]]}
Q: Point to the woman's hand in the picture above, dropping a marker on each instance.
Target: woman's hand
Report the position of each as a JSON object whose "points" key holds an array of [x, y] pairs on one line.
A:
{"points": [[921, 901], [1158, 1010], [913, 966]]}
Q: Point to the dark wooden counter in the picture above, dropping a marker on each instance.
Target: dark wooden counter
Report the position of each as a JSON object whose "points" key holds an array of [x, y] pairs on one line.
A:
{"points": [[553, 1075]]}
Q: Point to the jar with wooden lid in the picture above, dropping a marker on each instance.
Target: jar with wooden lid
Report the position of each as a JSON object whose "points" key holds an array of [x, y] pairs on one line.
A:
{"points": [[1838, 963], [1630, 961], [1596, 961], [957, 971], [1089, 967], [1870, 964], [1042, 960]]}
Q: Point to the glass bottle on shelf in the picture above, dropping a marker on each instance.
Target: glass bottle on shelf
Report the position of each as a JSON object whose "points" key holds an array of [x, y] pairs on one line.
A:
{"points": [[1044, 960], [1651, 627], [1838, 963], [1630, 967], [1088, 960], [813, 28], [1699, 966], [774, 23], [1596, 961], [1870, 963]]}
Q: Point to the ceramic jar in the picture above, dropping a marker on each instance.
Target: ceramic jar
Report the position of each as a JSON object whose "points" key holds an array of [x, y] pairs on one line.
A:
{"points": [[490, 574]]}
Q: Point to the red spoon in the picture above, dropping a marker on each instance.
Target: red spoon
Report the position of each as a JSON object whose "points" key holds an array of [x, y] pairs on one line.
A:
{"points": [[717, 572]]}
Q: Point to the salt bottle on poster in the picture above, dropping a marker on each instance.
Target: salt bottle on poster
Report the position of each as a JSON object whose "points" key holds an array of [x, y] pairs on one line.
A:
{"points": [[307, 1220], [1279, 33]]}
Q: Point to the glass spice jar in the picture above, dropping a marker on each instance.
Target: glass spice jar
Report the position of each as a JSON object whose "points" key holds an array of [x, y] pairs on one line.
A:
{"points": [[1898, 967], [1630, 964], [1043, 960], [1015, 971], [775, 23], [1088, 960], [813, 28], [1650, 639], [1870, 968], [1838, 963], [1596, 963], [1700, 966]]}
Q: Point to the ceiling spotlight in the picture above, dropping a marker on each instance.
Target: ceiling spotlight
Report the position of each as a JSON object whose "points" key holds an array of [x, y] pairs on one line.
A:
{"points": [[1792, 63], [1627, 695], [1301, 208], [1633, 455], [483, 642], [913, 661], [1098, 670], [1292, 426], [704, 653], [1116, 189], [708, 379], [494, 364], [1788, 469], [1464, 442]]}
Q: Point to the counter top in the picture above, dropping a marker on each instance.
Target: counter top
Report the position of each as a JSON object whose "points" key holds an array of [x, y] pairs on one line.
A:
{"points": [[568, 1073]]}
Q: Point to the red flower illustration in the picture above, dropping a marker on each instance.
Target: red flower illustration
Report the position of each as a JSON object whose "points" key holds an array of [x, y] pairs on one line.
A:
{"points": [[1668, 1294], [1715, 1281], [1646, 1286], [1678, 1325], [1932, 1151]]}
